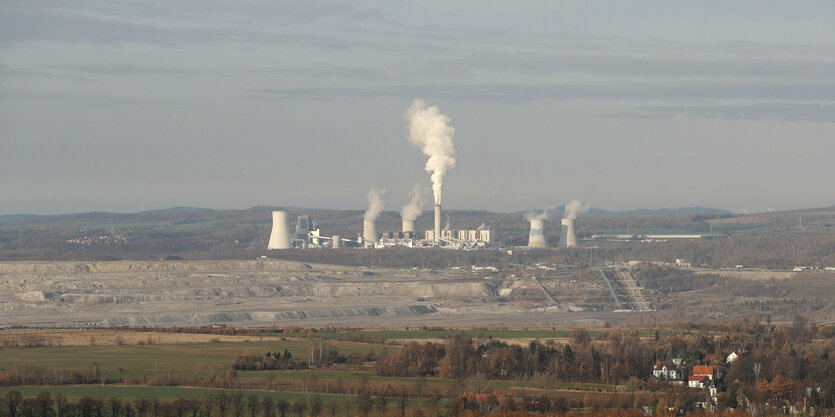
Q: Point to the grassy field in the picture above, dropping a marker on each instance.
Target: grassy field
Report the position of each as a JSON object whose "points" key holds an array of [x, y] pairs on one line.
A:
{"points": [[418, 334], [116, 362], [443, 334], [163, 393]]}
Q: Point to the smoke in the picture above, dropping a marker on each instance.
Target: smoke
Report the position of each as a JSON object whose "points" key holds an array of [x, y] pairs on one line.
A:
{"points": [[448, 216], [375, 204], [414, 209], [532, 215], [430, 131], [574, 208]]}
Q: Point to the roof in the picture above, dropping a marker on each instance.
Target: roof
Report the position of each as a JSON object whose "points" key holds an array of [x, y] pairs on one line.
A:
{"points": [[701, 378], [703, 370]]}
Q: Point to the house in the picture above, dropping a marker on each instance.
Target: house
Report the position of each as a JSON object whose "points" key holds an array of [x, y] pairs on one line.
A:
{"points": [[667, 372], [708, 371], [694, 381], [735, 355]]}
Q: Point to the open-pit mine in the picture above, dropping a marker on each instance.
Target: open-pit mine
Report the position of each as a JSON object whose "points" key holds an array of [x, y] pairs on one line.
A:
{"points": [[274, 292]]}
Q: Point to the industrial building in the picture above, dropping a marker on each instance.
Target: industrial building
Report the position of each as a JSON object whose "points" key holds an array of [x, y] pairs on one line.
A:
{"points": [[308, 235]]}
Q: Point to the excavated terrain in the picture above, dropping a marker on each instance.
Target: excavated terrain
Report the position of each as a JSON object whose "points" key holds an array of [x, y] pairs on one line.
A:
{"points": [[272, 292]]}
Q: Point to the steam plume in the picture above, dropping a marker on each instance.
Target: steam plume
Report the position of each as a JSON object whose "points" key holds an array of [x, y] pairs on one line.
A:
{"points": [[430, 131], [412, 210], [375, 204], [574, 208], [532, 215]]}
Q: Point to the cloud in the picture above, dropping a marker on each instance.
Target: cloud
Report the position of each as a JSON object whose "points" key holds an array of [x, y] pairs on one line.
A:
{"points": [[513, 93], [122, 69], [656, 67], [808, 112], [60, 27], [51, 97]]}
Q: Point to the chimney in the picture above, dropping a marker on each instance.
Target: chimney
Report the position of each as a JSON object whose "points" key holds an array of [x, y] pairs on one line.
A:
{"points": [[437, 223]]}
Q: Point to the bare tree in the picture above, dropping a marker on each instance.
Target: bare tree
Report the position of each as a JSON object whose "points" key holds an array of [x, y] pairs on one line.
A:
{"points": [[222, 403], [237, 403], [13, 402], [253, 404], [282, 406], [114, 407], [299, 406], [316, 406], [268, 405]]}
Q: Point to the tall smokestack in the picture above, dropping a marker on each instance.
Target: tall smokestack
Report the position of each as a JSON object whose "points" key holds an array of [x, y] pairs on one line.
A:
{"points": [[279, 237], [369, 232], [431, 132], [537, 237], [437, 223], [568, 239]]}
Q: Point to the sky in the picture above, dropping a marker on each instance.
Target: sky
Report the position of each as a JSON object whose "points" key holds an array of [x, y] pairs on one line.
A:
{"points": [[136, 105]]}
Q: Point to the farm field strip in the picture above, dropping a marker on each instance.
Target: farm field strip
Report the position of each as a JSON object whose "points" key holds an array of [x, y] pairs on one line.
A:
{"points": [[117, 361], [165, 393]]}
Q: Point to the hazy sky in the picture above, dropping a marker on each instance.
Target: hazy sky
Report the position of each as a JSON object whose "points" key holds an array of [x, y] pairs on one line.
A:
{"points": [[127, 106]]}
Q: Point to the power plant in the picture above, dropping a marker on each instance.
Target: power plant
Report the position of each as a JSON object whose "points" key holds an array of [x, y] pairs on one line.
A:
{"points": [[431, 132], [568, 238], [537, 237]]}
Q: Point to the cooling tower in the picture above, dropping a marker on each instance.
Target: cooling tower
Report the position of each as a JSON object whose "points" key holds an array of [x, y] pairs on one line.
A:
{"points": [[537, 236], [437, 223], [568, 239], [336, 241], [369, 232], [279, 237], [408, 226]]}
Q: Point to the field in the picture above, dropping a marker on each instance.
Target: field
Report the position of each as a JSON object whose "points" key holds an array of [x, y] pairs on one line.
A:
{"points": [[131, 361], [163, 393]]}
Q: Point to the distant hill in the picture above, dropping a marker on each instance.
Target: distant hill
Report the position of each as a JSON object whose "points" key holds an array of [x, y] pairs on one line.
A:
{"points": [[175, 210], [19, 218], [594, 212], [668, 212]]}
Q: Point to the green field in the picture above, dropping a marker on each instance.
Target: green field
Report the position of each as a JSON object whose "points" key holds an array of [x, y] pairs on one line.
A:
{"points": [[444, 334], [117, 362], [163, 393]]}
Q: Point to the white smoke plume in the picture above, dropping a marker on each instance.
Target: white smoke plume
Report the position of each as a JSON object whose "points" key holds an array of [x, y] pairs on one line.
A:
{"points": [[430, 131], [412, 210], [532, 215], [448, 216], [375, 204], [574, 208]]}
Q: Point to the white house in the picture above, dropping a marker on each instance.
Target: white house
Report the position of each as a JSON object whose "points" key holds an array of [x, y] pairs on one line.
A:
{"points": [[666, 372], [695, 381]]}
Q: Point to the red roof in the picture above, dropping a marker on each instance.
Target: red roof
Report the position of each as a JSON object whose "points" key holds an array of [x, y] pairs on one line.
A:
{"points": [[700, 378], [703, 370]]}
